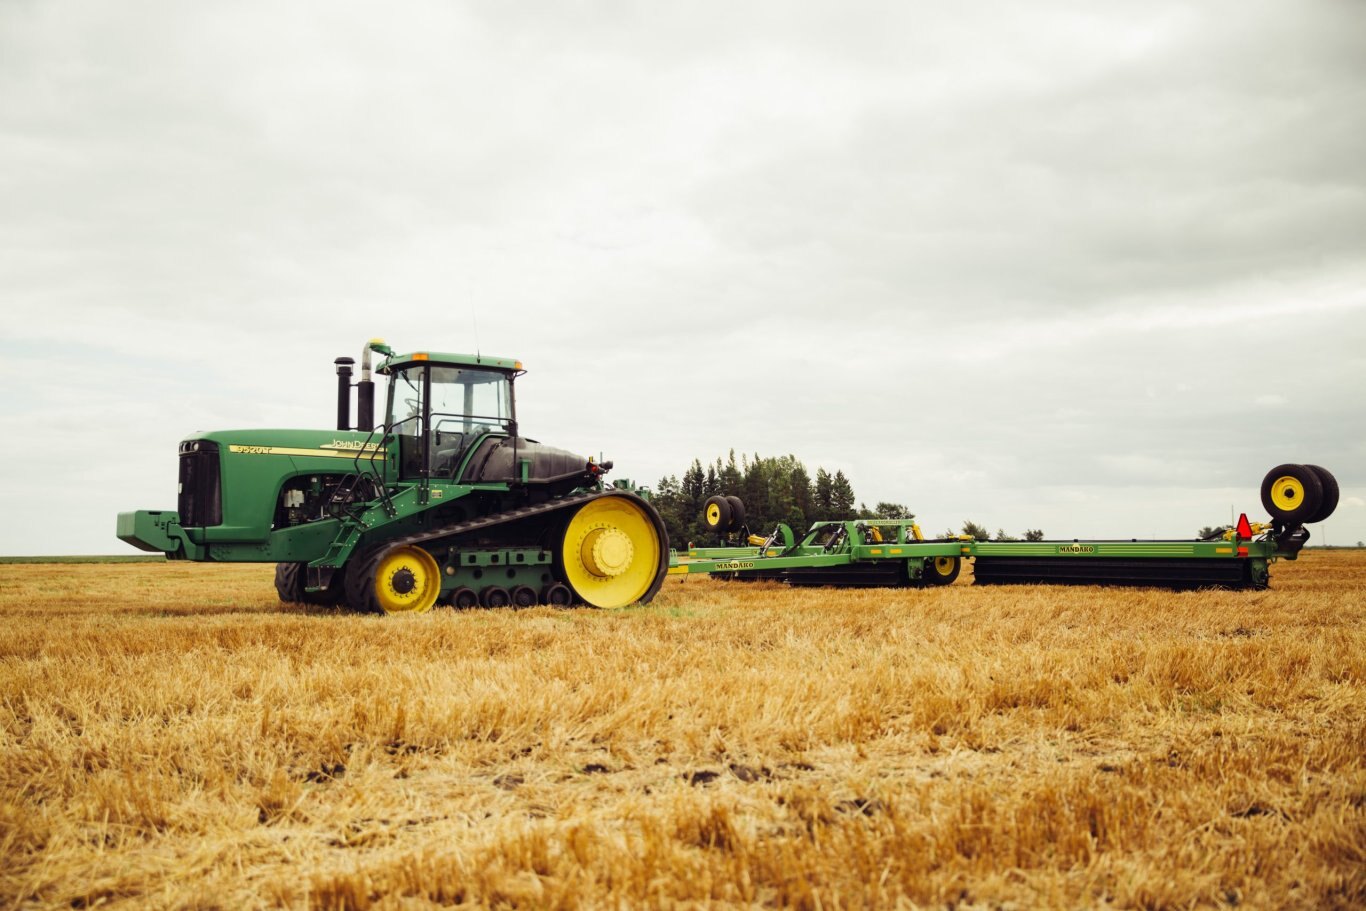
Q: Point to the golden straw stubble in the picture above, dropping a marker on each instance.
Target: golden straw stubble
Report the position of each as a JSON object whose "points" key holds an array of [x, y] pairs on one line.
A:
{"points": [[172, 736]]}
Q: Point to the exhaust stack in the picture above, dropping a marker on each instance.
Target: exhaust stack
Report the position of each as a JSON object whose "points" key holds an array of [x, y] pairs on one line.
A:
{"points": [[365, 392], [344, 392]]}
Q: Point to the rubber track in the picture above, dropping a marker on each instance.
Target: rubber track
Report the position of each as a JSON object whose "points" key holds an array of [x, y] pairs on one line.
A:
{"points": [[497, 518], [371, 559], [1186, 573]]}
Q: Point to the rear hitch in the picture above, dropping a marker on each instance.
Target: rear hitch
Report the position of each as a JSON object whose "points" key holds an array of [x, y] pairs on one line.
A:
{"points": [[1290, 539]]}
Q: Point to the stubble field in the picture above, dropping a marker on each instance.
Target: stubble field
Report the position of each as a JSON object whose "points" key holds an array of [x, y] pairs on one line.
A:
{"points": [[172, 736]]}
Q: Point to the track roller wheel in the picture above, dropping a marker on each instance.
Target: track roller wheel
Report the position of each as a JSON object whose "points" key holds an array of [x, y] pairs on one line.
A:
{"points": [[495, 596], [464, 598], [615, 550], [523, 596], [1292, 493], [942, 570], [716, 515], [737, 513], [1330, 493], [557, 594]]}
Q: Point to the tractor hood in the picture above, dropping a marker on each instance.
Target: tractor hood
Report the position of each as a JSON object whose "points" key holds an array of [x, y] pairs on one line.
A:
{"points": [[296, 445], [224, 473]]}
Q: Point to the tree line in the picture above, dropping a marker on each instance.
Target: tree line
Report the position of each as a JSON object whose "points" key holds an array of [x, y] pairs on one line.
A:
{"points": [[777, 489]]}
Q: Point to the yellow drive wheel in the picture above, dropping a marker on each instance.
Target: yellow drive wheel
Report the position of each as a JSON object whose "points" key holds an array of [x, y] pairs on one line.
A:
{"points": [[942, 570], [406, 580], [613, 550]]}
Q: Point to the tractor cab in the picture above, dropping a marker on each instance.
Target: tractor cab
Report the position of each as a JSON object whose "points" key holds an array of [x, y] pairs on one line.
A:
{"points": [[454, 417], [441, 406]]}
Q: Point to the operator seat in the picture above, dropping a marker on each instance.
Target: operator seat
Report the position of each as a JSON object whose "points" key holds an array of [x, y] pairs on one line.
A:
{"points": [[446, 456]]}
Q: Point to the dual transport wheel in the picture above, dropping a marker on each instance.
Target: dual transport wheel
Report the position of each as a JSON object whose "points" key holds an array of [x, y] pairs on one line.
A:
{"points": [[724, 514], [1299, 494]]}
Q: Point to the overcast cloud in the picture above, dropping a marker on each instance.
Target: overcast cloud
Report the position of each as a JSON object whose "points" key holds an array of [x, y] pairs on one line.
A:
{"points": [[1087, 267]]}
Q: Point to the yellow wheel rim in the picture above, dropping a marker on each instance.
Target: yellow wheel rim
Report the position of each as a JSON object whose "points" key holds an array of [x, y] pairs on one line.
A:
{"points": [[1287, 493], [407, 581], [611, 552], [944, 565], [713, 515]]}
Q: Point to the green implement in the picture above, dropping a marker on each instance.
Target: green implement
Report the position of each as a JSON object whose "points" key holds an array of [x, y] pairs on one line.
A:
{"points": [[890, 553]]}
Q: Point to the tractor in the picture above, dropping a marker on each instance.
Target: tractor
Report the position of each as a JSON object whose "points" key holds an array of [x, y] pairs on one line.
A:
{"points": [[443, 501]]}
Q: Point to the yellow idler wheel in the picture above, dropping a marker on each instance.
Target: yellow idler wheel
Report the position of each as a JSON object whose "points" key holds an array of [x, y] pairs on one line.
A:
{"points": [[613, 551], [1292, 493], [407, 580], [942, 570]]}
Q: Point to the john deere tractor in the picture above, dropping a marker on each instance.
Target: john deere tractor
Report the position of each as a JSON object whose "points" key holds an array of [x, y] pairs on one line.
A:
{"points": [[444, 501]]}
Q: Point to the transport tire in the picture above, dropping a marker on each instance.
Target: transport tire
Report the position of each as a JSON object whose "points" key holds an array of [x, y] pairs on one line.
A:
{"points": [[464, 598], [737, 513], [557, 594], [1330, 493], [1292, 493], [716, 515], [942, 570], [495, 596], [523, 596]]}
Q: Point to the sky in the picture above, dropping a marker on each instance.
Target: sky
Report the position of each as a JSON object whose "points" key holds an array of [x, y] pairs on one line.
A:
{"points": [[1090, 268]]}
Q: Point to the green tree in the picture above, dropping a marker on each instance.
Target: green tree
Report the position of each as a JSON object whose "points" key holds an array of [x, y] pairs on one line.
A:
{"points": [[822, 498], [731, 478], [800, 483], [693, 486], [693, 494], [975, 531], [1210, 532], [1002, 536], [1034, 534], [782, 498], [841, 498], [667, 498], [756, 494]]}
